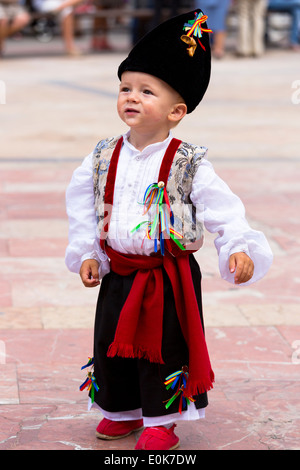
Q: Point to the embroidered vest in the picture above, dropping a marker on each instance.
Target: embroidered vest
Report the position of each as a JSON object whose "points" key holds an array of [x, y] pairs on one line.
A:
{"points": [[179, 186]]}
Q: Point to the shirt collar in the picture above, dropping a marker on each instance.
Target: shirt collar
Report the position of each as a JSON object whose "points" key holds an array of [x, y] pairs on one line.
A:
{"points": [[157, 146]]}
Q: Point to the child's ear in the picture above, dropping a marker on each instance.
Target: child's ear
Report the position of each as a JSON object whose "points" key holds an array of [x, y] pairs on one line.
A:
{"points": [[178, 112]]}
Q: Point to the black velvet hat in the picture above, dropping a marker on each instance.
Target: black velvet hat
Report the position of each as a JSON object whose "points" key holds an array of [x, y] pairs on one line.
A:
{"points": [[178, 52]]}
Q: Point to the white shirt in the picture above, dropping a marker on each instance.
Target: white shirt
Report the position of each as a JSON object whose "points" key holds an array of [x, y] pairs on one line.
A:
{"points": [[223, 213]]}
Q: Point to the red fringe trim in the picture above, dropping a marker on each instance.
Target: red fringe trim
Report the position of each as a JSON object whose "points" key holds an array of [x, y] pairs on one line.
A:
{"points": [[130, 351], [194, 387]]}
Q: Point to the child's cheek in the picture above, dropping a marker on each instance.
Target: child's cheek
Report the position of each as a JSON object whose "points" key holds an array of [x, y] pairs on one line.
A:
{"points": [[153, 113]]}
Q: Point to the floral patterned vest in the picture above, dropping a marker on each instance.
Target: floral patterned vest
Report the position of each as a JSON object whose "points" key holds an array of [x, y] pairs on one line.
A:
{"points": [[179, 186]]}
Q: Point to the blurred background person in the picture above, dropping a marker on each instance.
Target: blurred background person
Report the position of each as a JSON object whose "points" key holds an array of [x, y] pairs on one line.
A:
{"points": [[65, 9], [251, 27], [100, 28], [141, 26], [217, 11], [292, 7], [100, 25], [13, 18], [158, 6]]}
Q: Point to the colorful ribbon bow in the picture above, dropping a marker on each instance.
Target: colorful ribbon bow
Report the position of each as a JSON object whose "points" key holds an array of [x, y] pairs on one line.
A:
{"points": [[194, 28], [161, 227], [178, 379]]}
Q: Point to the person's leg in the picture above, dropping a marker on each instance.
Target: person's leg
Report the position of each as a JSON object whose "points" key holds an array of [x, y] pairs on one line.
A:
{"points": [[258, 22], [219, 44], [3, 28], [16, 24], [219, 36], [66, 16], [244, 32], [100, 30], [117, 377], [68, 33], [15, 20]]}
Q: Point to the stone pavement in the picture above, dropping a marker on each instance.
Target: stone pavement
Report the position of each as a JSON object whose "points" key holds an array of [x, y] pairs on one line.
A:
{"points": [[56, 110]]}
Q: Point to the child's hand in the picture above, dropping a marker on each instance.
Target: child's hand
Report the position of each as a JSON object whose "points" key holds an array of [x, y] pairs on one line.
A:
{"points": [[242, 265], [89, 273]]}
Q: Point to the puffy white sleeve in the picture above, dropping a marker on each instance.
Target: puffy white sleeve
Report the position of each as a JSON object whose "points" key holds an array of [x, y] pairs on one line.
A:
{"points": [[83, 238], [223, 212]]}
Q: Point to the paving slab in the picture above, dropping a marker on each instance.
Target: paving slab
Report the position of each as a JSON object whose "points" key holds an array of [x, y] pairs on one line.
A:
{"points": [[254, 405], [56, 110]]}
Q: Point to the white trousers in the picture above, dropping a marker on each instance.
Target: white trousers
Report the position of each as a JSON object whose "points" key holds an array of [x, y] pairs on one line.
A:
{"points": [[191, 414], [251, 19]]}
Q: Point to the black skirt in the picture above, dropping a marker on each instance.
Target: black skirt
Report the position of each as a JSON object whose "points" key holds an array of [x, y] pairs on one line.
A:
{"points": [[129, 384]]}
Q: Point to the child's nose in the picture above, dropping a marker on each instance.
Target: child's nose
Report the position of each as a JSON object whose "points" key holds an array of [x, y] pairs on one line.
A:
{"points": [[133, 96]]}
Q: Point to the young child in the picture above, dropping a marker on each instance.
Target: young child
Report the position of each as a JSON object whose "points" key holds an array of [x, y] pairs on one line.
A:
{"points": [[137, 208]]}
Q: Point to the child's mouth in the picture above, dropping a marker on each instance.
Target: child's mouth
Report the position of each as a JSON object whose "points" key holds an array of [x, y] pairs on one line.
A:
{"points": [[131, 111]]}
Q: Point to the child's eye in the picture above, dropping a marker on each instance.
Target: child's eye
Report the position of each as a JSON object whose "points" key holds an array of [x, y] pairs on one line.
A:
{"points": [[125, 89], [147, 92]]}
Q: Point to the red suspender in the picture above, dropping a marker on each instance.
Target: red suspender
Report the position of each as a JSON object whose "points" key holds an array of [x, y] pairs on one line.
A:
{"points": [[111, 177]]}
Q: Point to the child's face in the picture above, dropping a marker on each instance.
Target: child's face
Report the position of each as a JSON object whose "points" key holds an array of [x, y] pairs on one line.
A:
{"points": [[145, 102]]}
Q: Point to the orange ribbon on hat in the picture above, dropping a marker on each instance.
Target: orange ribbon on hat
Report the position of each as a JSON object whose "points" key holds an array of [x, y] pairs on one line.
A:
{"points": [[199, 22]]}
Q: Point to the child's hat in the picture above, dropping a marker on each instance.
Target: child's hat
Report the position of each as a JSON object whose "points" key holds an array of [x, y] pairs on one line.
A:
{"points": [[178, 52]]}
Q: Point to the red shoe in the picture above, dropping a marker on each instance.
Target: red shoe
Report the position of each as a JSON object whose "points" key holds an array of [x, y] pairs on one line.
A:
{"points": [[158, 438], [108, 429]]}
